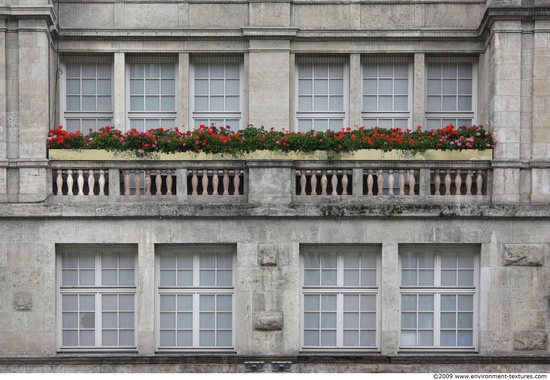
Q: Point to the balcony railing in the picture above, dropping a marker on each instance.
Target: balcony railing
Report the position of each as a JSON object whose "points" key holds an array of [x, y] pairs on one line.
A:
{"points": [[271, 181]]}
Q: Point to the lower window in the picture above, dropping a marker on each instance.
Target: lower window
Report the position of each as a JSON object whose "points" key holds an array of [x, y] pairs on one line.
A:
{"points": [[195, 297], [97, 297], [438, 297], [340, 297]]}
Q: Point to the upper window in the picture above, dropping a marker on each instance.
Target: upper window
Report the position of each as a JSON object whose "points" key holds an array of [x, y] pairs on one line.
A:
{"points": [[322, 99], [152, 95], [97, 298], [438, 298], [340, 297], [451, 89], [386, 94], [217, 94], [87, 103], [195, 297]]}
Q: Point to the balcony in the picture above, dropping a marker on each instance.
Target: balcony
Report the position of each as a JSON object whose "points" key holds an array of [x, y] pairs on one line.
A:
{"points": [[362, 178]]}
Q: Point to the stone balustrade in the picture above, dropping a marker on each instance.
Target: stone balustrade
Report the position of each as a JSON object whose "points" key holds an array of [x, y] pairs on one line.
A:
{"points": [[274, 181]]}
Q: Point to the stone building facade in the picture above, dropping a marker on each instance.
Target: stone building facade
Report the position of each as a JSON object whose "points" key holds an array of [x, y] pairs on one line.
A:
{"points": [[267, 278]]}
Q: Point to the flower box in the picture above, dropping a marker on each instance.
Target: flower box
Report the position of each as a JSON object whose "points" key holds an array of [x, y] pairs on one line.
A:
{"points": [[359, 155]]}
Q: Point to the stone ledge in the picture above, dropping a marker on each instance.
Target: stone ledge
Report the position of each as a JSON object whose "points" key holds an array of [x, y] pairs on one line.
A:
{"points": [[228, 358], [389, 208]]}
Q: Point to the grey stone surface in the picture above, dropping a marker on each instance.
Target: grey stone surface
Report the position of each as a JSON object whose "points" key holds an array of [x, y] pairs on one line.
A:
{"points": [[523, 255], [530, 341], [268, 255], [268, 321], [22, 301]]}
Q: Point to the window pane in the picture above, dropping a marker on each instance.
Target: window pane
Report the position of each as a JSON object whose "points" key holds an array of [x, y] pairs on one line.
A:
{"points": [[70, 338], [466, 278], [311, 338], [465, 303], [408, 320], [312, 302], [465, 338], [408, 338], [425, 338], [184, 338], [328, 338], [328, 277]]}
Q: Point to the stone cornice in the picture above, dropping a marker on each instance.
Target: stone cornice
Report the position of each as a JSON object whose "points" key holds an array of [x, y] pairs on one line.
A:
{"points": [[29, 12], [511, 14]]}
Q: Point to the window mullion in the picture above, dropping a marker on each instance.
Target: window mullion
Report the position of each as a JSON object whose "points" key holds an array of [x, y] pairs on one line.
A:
{"points": [[196, 319], [339, 319], [99, 310]]}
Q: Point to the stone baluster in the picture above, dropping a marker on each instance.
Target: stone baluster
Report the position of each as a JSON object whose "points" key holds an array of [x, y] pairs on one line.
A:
{"points": [[324, 182], [137, 181], [59, 182], [70, 182], [126, 182], [448, 182], [345, 182], [101, 182], [401, 182], [370, 182], [194, 183], [91, 182], [479, 183], [225, 182], [458, 182], [412, 182], [215, 182], [303, 182], [158, 182], [80, 182], [236, 182], [437, 182], [314, 182], [334, 182], [204, 182], [380, 182], [469, 182], [391, 181], [169, 182], [148, 182]]}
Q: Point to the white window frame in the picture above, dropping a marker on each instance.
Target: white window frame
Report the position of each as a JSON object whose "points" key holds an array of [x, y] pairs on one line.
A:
{"points": [[84, 115], [437, 290], [196, 291], [452, 115], [152, 115], [210, 117], [340, 291], [392, 114], [323, 115], [97, 290]]}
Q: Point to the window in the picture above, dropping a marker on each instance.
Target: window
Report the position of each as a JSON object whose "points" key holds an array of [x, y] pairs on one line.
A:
{"points": [[386, 89], [97, 298], [340, 297], [195, 298], [217, 94], [438, 297], [152, 95], [322, 99], [451, 89], [87, 100]]}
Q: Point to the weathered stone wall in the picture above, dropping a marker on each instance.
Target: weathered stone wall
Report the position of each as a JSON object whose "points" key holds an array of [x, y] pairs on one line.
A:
{"points": [[514, 275], [304, 14], [510, 230]]}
